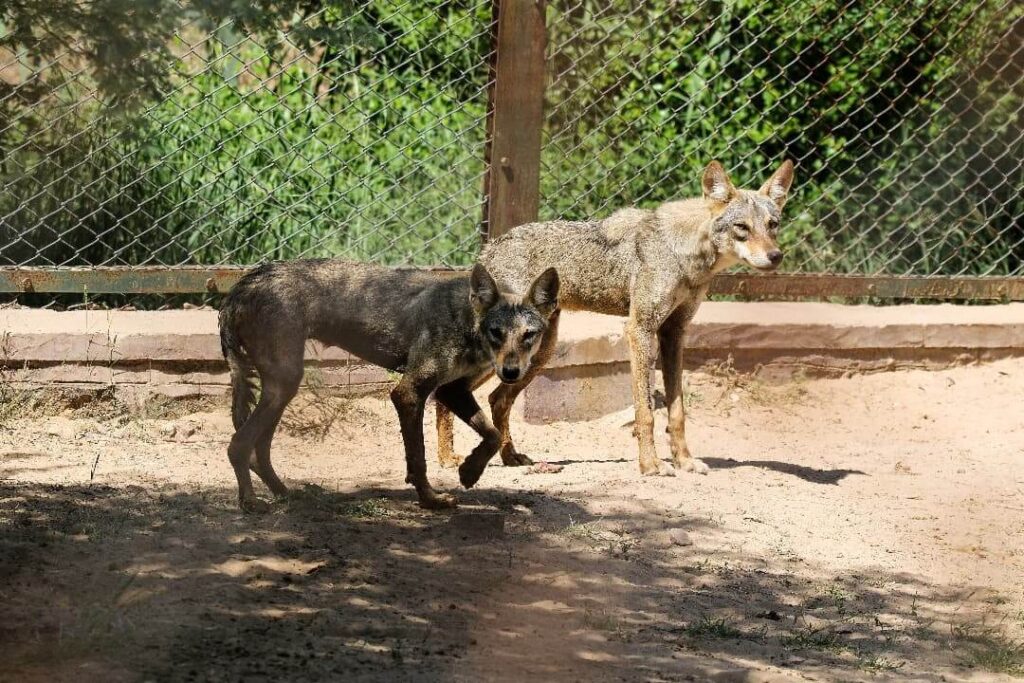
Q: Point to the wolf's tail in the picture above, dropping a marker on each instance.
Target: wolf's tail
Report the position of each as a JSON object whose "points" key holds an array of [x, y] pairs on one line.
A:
{"points": [[243, 385]]}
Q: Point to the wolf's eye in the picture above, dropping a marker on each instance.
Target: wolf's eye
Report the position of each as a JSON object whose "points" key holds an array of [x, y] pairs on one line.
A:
{"points": [[529, 336], [773, 225], [494, 332], [740, 232]]}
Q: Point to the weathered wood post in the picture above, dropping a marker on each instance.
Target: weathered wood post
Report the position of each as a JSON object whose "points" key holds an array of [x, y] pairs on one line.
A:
{"points": [[515, 116]]}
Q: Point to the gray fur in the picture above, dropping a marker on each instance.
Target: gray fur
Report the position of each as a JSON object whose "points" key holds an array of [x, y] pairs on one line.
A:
{"points": [[443, 332], [653, 265]]}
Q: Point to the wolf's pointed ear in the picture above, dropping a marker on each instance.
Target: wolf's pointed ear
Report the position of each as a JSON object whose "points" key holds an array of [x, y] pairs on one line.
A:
{"points": [[777, 187], [543, 292], [483, 290], [716, 183]]}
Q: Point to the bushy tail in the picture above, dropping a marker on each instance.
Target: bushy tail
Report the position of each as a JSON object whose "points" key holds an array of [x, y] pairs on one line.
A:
{"points": [[243, 385]]}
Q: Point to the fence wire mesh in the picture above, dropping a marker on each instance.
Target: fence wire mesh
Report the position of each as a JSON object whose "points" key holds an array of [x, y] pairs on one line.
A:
{"points": [[905, 118], [203, 132], [186, 136]]}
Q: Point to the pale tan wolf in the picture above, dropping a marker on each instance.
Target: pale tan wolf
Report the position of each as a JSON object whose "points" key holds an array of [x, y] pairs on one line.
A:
{"points": [[652, 265]]}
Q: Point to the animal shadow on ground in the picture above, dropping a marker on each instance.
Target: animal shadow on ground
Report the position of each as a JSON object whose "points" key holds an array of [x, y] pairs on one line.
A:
{"points": [[132, 583], [811, 474]]}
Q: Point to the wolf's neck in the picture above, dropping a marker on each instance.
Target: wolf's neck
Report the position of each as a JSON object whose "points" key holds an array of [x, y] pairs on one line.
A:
{"points": [[685, 226]]}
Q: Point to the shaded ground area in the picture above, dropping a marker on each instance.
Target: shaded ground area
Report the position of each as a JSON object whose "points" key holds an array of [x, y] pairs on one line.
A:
{"points": [[868, 528]]}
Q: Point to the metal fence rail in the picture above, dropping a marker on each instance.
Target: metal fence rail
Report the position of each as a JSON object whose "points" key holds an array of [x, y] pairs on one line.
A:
{"points": [[403, 132]]}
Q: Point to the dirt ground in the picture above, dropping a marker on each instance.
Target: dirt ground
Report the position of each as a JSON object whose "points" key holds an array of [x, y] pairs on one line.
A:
{"points": [[865, 528]]}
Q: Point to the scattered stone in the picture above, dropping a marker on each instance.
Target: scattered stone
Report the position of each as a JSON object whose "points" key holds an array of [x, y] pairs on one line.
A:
{"points": [[679, 537], [169, 430], [902, 468], [814, 623], [544, 468], [770, 614], [66, 429], [185, 430]]}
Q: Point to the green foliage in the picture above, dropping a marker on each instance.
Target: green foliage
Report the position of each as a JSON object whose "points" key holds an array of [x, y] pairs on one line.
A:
{"points": [[901, 122], [357, 129], [263, 150]]}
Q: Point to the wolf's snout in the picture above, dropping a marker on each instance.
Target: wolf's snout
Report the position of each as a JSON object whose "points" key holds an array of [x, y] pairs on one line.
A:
{"points": [[775, 256], [509, 374]]}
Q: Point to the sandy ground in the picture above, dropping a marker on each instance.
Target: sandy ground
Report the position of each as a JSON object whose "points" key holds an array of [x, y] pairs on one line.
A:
{"points": [[867, 528]]}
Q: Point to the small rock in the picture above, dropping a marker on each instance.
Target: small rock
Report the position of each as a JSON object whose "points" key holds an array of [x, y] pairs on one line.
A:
{"points": [[169, 430], [814, 623], [544, 468], [66, 429], [679, 537]]}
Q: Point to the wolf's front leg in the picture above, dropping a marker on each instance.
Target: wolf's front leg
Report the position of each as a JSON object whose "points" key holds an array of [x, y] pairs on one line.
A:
{"points": [[409, 399], [670, 339], [458, 397], [641, 357]]}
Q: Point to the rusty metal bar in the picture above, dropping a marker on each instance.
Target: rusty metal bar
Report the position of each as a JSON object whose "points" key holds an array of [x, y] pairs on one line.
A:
{"points": [[802, 286], [119, 280], [128, 279], [199, 279]]}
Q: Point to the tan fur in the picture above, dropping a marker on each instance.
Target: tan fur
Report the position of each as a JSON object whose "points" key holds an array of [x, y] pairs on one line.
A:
{"points": [[652, 265]]}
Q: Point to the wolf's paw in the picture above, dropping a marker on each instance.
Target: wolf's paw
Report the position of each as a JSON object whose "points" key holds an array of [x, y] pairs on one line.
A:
{"points": [[439, 501], [692, 465], [254, 506], [514, 459], [469, 473], [655, 468]]}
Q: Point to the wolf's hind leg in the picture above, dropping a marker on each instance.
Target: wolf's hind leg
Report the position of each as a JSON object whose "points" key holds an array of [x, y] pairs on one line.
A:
{"points": [[641, 358], [446, 438], [670, 339], [503, 397], [282, 391], [277, 373], [240, 453]]}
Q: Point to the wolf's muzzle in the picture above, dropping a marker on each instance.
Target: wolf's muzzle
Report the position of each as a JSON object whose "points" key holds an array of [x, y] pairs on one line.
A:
{"points": [[509, 375]]}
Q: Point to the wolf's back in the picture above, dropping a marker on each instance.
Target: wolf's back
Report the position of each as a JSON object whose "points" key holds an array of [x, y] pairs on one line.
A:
{"points": [[594, 259]]}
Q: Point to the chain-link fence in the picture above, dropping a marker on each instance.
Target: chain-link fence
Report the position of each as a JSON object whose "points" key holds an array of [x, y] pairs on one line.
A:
{"points": [[905, 118], [162, 133], [284, 131]]}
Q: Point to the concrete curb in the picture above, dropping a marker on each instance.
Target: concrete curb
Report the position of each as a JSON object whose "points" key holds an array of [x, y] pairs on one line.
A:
{"points": [[178, 352]]}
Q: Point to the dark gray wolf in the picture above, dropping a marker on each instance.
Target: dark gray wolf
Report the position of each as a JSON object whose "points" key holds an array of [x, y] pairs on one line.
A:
{"points": [[443, 333], [653, 266]]}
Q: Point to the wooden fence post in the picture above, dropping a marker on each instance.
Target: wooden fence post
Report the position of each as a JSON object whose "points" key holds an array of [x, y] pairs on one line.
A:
{"points": [[515, 116]]}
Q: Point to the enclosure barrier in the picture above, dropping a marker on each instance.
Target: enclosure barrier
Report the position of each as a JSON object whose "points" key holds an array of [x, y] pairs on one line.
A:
{"points": [[164, 150]]}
